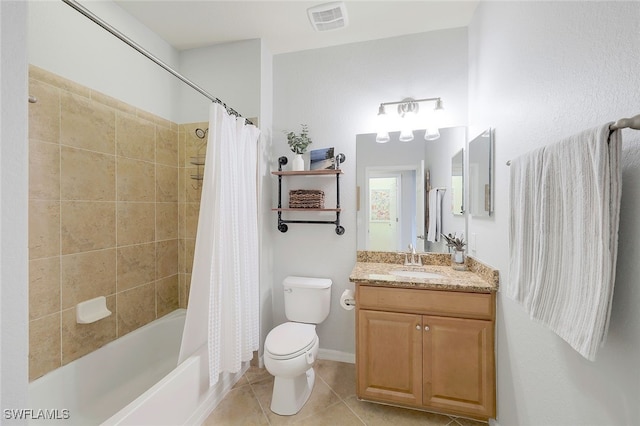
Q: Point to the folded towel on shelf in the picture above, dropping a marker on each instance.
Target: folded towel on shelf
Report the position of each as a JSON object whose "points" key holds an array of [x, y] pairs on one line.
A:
{"points": [[565, 208], [435, 214]]}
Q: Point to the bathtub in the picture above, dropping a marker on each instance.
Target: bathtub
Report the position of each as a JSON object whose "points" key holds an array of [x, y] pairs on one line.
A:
{"points": [[133, 381]]}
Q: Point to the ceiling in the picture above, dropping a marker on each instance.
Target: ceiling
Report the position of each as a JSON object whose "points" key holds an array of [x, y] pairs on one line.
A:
{"points": [[284, 24]]}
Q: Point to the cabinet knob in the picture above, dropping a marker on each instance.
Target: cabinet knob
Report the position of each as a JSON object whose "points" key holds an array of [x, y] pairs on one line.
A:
{"points": [[417, 326], [426, 328]]}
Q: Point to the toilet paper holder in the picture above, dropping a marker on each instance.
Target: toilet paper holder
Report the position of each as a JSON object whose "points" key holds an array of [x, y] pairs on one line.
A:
{"points": [[347, 300]]}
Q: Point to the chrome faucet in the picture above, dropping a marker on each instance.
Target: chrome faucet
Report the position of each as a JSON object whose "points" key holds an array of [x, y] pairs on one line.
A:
{"points": [[414, 256]]}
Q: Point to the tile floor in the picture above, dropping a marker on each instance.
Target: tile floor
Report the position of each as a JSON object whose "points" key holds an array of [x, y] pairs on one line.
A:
{"points": [[332, 402]]}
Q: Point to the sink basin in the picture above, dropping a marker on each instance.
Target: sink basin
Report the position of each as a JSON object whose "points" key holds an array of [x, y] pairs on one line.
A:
{"points": [[415, 274]]}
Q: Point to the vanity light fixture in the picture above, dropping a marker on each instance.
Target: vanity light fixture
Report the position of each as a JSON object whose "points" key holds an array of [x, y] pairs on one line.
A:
{"points": [[408, 110]]}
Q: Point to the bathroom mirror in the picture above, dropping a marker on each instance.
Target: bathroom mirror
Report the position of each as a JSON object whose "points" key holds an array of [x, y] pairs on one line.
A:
{"points": [[392, 179], [480, 170], [457, 183]]}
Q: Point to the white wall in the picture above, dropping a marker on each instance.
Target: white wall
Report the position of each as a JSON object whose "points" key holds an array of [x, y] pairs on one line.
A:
{"points": [[230, 71], [66, 43], [14, 169], [540, 71], [336, 91]]}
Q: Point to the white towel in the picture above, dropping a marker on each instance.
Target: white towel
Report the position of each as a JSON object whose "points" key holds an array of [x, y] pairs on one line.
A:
{"points": [[565, 208], [435, 214]]}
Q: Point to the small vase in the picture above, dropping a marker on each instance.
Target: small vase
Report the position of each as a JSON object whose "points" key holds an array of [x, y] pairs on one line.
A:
{"points": [[297, 165], [457, 260]]}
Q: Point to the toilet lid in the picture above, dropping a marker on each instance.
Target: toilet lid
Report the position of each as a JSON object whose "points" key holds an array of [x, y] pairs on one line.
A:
{"points": [[289, 338]]}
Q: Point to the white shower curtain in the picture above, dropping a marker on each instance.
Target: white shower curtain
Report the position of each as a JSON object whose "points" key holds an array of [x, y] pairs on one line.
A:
{"points": [[223, 300]]}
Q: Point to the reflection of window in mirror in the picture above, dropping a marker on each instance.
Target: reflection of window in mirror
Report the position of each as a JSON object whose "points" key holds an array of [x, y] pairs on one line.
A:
{"points": [[457, 183], [480, 190]]}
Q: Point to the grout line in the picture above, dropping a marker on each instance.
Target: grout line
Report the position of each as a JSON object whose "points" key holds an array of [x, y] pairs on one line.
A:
{"points": [[258, 401]]}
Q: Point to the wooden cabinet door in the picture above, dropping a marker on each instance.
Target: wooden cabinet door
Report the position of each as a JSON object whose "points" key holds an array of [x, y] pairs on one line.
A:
{"points": [[389, 357], [459, 366]]}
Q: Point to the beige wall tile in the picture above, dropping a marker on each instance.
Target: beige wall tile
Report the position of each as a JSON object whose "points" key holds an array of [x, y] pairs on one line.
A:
{"points": [[44, 287], [181, 219], [87, 275], [136, 265], [181, 253], [44, 115], [184, 283], [182, 154], [87, 124], [166, 221], [166, 147], [44, 345], [112, 102], [136, 138], [152, 118], [192, 211], [87, 175], [136, 307], [81, 339], [44, 229], [44, 170], [167, 295], [193, 188], [136, 223], [45, 76], [166, 183], [136, 180], [166, 258], [87, 225], [189, 250]]}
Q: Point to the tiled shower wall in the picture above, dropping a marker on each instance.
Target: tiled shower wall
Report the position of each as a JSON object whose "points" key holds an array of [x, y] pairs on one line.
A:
{"points": [[190, 190], [111, 213]]}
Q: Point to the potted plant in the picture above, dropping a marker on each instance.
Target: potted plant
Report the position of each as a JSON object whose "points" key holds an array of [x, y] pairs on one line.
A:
{"points": [[298, 144], [457, 244]]}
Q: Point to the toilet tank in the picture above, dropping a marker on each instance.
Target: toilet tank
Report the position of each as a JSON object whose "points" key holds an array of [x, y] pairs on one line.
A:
{"points": [[307, 299]]}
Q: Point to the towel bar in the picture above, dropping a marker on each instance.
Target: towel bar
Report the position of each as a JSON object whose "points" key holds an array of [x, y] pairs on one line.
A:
{"points": [[623, 123]]}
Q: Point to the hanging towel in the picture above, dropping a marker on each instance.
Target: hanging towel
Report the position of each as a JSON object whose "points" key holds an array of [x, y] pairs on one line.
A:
{"points": [[565, 208], [435, 214]]}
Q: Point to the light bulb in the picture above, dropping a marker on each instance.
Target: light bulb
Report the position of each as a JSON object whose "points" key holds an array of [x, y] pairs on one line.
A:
{"points": [[431, 134], [382, 137], [406, 135], [382, 123]]}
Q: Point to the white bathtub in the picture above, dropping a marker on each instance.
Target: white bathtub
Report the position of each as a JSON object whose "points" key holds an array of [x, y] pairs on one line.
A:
{"points": [[133, 381]]}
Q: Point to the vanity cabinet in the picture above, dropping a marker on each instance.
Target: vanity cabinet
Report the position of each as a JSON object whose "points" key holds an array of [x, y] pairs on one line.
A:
{"points": [[426, 349]]}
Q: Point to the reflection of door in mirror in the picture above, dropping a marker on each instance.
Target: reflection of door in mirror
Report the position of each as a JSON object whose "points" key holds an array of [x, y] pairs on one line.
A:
{"points": [[389, 208], [457, 183], [384, 201]]}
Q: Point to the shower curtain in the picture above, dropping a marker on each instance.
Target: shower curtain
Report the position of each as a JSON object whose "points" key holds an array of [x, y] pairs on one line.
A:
{"points": [[223, 299]]}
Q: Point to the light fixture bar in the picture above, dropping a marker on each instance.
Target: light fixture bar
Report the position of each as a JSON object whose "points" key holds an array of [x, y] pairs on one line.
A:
{"points": [[411, 100]]}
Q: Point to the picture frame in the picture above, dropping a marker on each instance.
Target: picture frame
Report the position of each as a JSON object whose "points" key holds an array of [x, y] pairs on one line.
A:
{"points": [[322, 159]]}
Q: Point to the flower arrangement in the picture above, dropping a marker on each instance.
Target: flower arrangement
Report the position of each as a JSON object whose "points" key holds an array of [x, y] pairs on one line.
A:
{"points": [[454, 242], [299, 142]]}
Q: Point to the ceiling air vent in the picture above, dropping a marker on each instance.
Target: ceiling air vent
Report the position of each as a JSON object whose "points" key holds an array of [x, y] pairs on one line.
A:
{"points": [[328, 16]]}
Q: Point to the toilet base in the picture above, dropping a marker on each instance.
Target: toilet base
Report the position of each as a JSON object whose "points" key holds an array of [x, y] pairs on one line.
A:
{"points": [[290, 394]]}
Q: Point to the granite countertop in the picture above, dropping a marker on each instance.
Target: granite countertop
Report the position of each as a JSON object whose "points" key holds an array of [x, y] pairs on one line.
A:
{"points": [[374, 269]]}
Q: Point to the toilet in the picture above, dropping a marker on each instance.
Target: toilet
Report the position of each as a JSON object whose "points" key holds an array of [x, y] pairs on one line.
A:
{"points": [[290, 349]]}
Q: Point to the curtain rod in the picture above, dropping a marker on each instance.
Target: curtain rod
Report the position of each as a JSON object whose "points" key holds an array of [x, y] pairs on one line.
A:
{"points": [[97, 20], [623, 123]]}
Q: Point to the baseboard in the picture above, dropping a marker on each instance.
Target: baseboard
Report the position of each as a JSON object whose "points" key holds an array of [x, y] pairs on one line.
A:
{"points": [[332, 355]]}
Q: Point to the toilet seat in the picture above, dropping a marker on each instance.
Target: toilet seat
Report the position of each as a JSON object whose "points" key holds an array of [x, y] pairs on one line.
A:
{"points": [[290, 340]]}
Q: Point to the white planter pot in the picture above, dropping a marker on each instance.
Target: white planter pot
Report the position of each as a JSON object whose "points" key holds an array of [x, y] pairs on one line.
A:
{"points": [[297, 165]]}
